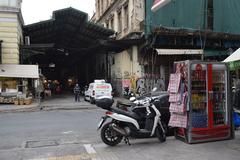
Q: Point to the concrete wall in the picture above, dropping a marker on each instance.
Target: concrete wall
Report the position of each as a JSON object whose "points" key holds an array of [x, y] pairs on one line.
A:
{"points": [[126, 67], [126, 64]]}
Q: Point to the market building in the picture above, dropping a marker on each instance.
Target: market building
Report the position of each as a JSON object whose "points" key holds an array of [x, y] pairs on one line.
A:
{"points": [[66, 47]]}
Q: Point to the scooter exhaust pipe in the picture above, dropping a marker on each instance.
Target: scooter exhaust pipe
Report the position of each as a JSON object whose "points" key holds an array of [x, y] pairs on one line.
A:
{"points": [[119, 130]]}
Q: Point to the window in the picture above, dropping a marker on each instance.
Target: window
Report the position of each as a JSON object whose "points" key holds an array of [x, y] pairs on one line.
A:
{"points": [[4, 3], [126, 16], [13, 3], [9, 3], [101, 6], [107, 4], [98, 7], [112, 23], [107, 24], [119, 22], [113, 60]]}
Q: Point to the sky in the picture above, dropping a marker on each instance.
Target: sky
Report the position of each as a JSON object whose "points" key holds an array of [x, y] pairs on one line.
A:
{"points": [[39, 10]]}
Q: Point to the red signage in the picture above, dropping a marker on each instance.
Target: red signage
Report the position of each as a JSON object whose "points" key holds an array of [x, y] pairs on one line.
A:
{"points": [[159, 4], [102, 86]]}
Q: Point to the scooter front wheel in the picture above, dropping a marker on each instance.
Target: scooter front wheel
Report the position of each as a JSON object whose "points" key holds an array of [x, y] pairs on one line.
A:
{"points": [[109, 136], [159, 132]]}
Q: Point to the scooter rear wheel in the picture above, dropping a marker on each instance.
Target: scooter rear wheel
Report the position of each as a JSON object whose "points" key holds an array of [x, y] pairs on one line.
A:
{"points": [[109, 136]]}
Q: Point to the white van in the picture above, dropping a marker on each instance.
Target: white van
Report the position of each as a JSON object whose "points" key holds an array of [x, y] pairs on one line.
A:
{"points": [[97, 89]]}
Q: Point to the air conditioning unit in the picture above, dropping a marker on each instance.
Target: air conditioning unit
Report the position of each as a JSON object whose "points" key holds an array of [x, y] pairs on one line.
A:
{"points": [[27, 40]]}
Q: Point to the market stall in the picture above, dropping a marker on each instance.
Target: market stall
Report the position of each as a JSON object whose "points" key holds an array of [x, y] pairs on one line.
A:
{"points": [[14, 83], [234, 62], [234, 65], [200, 102]]}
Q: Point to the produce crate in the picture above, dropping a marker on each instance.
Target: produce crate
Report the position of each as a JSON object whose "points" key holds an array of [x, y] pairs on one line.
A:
{"points": [[28, 101], [21, 102], [16, 102]]}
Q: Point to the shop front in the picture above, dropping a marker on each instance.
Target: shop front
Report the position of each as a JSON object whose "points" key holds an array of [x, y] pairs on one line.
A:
{"points": [[200, 101], [234, 63], [167, 57], [17, 83]]}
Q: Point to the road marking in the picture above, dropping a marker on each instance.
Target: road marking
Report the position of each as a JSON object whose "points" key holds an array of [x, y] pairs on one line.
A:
{"points": [[91, 151], [69, 157], [91, 154], [67, 132]]}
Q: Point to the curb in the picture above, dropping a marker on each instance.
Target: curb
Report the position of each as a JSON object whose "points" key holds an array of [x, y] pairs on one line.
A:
{"points": [[46, 108], [31, 109], [50, 108]]}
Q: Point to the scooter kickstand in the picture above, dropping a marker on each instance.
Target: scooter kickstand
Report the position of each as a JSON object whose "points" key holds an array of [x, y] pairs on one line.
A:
{"points": [[126, 140]]}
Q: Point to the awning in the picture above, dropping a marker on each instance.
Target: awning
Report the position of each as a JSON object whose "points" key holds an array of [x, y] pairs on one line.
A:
{"points": [[235, 56], [234, 60], [213, 53], [179, 51], [234, 65], [19, 71]]}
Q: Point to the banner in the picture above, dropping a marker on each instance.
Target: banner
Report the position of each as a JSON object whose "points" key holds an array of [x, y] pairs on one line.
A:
{"points": [[158, 4]]}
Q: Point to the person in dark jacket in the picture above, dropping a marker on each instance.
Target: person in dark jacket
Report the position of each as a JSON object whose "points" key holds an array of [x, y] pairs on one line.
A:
{"points": [[77, 91]]}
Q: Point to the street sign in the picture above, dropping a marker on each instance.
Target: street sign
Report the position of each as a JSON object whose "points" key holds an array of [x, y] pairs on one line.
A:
{"points": [[159, 4]]}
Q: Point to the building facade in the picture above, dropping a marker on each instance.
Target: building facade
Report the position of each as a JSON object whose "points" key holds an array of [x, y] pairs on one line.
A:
{"points": [[170, 34], [11, 23], [192, 29], [125, 18]]}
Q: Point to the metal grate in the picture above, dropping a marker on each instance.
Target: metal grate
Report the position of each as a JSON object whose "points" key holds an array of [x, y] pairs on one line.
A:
{"points": [[38, 144]]}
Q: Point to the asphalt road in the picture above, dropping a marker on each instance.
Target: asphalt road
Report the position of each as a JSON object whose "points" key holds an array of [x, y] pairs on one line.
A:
{"points": [[72, 135]]}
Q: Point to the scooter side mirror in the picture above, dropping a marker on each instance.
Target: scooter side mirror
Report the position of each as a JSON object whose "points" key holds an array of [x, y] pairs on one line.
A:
{"points": [[154, 89], [132, 99]]}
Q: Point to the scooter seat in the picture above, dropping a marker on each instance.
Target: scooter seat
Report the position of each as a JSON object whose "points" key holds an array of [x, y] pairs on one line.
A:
{"points": [[126, 113], [125, 103]]}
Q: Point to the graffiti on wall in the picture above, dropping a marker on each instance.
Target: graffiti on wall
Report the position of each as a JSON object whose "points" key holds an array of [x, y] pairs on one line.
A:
{"points": [[142, 85]]}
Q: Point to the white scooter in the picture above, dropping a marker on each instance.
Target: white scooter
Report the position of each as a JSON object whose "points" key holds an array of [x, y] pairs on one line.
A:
{"points": [[125, 124]]}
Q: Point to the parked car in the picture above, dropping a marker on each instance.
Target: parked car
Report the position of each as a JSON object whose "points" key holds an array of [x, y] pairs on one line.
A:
{"points": [[97, 89]]}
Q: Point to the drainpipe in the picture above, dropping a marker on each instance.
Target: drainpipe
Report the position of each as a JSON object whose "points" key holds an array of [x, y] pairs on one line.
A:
{"points": [[1, 51], [107, 68]]}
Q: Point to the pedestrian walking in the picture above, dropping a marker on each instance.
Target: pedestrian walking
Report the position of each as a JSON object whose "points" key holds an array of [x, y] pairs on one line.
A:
{"points": [[77, 91]]}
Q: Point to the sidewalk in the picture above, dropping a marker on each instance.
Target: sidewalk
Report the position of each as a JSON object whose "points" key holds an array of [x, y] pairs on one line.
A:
{"points": [[59, 102], [7, 108]]}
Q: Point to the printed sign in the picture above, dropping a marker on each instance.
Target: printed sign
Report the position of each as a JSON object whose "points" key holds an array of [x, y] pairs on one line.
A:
{"points": [[102, 86], [126, 83]]}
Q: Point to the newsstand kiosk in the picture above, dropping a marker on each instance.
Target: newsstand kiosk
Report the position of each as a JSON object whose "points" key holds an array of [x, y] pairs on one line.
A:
{"points": [[200, 101]]}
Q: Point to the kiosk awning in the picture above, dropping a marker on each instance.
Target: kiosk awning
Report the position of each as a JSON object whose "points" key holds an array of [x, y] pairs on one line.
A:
{"points": [[235, 56], [234, 60], [19, 71], [179, 51]]}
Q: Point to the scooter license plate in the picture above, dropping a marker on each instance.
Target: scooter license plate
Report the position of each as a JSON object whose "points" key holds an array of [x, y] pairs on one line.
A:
{"points": [[101, 122]]}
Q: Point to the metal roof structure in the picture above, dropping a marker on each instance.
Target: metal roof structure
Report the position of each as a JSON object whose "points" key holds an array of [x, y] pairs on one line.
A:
{"points": [[67, 45], [69, 29]]}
